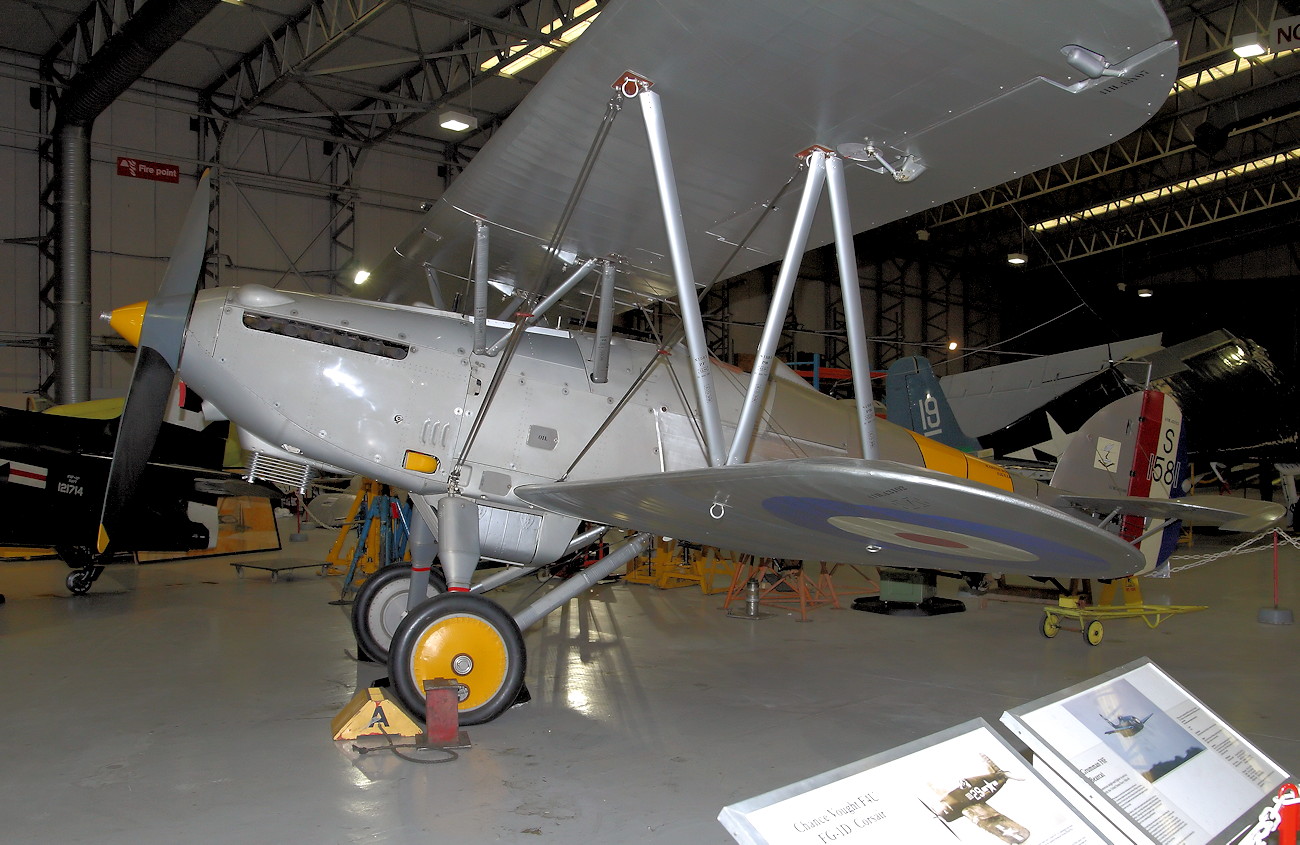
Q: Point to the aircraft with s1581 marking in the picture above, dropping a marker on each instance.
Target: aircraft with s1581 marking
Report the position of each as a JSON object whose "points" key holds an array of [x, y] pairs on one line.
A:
{"points": [[677, 143]]}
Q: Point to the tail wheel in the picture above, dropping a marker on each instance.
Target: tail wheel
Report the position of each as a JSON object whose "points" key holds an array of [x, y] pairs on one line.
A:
{"points": [[79, 581], [465, 638], [380, 606]]}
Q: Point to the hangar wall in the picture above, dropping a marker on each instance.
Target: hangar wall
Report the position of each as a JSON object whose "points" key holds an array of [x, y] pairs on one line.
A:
{"points": [[283, 200]]}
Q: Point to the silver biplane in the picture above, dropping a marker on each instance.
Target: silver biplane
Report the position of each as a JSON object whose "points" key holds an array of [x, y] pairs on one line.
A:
{"points": [[676, 144]]}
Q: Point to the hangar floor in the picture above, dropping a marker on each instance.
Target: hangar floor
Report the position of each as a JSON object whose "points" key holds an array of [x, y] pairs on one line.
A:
{"points": [[180, 703]]}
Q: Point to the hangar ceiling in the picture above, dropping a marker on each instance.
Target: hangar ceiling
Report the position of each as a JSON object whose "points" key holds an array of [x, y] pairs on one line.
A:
{"points": [[1204, 195]]}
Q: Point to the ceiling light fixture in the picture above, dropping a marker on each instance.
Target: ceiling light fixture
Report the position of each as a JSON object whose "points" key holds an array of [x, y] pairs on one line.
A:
{"points": [[952, 346], [1017, 259], [565, 37], [360, 277], [1249, 46], [1145, 293], [456, 121]]}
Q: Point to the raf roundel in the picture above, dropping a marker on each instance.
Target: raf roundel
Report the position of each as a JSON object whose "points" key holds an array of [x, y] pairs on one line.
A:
{"points": [[929, 539]]}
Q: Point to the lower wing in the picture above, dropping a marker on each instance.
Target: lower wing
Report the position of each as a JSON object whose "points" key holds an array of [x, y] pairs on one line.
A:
{"points": [[850, 511]]}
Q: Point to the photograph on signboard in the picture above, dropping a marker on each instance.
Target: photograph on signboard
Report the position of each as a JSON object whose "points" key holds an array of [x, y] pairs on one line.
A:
{"points": [[1139, 746], [963, 785], [1131, 725]]}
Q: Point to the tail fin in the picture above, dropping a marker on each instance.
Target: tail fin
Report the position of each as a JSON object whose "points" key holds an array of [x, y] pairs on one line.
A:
{"points": [[1132, 447], [914, 400]]}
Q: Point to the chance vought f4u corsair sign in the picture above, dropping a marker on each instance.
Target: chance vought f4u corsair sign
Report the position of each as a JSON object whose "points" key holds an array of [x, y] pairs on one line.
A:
{"points": [[709, 134]]}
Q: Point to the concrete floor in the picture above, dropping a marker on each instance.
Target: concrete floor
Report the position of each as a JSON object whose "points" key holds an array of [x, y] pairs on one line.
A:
{"points": [[179, 703]]}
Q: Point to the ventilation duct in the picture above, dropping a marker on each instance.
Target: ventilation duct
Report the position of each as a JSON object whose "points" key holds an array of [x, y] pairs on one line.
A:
{"points": [[119, 63]]}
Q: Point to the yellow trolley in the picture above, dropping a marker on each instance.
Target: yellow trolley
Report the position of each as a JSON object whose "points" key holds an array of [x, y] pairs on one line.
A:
{"points": [[1090, 617]]}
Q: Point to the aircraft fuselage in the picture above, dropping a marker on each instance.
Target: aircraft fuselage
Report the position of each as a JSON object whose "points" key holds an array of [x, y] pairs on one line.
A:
{"points": [[393, 393]]}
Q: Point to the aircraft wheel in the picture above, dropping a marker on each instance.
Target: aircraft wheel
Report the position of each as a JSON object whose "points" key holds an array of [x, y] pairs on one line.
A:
{"points": [[1093, 632], [465, 638], [380, 606], [79, 581], [1051, 625]]}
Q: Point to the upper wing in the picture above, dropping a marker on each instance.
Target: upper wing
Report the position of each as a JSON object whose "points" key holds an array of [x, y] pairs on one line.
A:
{"points": [[976, 92], [851, 511], [1225, 512]]}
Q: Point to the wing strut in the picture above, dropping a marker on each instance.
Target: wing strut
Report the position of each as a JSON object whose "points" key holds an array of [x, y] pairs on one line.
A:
{"points": [[824, 167], [812, 189], [851, 297], [545, 305], [604, 325], [480, 286], [687, 297]]}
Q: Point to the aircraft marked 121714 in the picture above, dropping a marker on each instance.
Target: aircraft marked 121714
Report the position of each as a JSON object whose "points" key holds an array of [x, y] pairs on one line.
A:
{"points": [[521, 443]]}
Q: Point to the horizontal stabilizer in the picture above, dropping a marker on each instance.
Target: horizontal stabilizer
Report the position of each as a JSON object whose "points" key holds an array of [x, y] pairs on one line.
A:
{"points": [[848, 510], [1225, 512]]}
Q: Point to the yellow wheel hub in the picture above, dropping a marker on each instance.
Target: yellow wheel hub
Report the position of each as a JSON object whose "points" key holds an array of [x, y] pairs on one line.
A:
{"points": [[466, 649]]}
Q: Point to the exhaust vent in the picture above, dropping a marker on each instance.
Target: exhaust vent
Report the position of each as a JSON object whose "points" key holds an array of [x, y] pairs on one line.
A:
{"points": [[326, 335]]}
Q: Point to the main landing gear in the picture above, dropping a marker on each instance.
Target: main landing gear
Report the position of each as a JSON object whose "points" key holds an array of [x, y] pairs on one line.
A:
{"points": [[467, 639], [381, 605]]}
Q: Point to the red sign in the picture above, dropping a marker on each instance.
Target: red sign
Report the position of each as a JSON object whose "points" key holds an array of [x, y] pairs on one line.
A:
{"points": [[141, 169]]}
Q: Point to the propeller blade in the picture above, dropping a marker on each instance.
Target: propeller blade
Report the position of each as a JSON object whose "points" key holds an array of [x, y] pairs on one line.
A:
{"points": [[160, 340]]}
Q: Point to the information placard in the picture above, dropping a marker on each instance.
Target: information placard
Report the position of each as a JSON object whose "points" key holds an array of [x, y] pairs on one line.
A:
{"points": [[1155, 761], [965, 784]]}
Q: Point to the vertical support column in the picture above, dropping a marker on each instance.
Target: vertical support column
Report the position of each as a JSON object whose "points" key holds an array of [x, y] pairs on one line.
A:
{"points": [[812, 190], [47, 259], [343, 212], [480, 286], [852, 299], [73, 298], [688, 298], [604, 325]]}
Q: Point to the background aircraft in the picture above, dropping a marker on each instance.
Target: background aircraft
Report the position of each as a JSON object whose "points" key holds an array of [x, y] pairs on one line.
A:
{"points": [[509, 435], [54, 472]]}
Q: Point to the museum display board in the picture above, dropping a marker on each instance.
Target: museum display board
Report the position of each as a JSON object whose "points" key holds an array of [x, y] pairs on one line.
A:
{"points": [[1149, 757], [965, 783], [1127, 757]]}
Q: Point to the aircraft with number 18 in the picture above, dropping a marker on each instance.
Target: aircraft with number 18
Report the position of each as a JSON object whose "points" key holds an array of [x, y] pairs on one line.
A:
{"points": [[677, 143]]}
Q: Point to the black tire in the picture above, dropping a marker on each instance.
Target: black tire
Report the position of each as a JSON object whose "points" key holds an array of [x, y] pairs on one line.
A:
{"points": [[79, 581], [466, 638], [380, 606]]}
